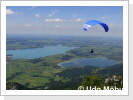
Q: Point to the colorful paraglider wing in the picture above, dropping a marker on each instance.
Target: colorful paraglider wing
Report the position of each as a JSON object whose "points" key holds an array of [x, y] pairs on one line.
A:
{"points": [[94, 22], [106, 28], [86, 26]]}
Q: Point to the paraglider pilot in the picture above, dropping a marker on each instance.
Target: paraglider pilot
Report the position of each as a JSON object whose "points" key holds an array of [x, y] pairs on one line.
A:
{"points": [[91, 51]]}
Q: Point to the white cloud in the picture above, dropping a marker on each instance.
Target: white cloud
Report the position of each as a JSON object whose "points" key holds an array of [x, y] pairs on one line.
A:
{"points": [[76, 20], [58, 26], [54, 20], [59, 20], [10, 12], [53, 13], [27, 25], [37, 15]]}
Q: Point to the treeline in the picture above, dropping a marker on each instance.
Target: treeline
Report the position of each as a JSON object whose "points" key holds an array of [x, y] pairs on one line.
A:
{"points": [[88, 70], [77, 72], [14, 75], [15, 86], [112, 70], [36, 60], [61, 85]]}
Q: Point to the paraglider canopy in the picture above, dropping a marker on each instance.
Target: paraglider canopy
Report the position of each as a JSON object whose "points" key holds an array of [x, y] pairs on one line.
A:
{"points": [[94, 22]]}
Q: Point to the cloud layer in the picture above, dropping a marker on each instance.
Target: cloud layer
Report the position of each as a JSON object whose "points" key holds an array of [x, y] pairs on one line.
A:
{"points": [[54, 20], [37, 15], [10, 12], [60, 20], [27, 25]]}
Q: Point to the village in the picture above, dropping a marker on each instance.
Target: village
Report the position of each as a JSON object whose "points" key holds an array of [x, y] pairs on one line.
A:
{"points": [[9, 58]]}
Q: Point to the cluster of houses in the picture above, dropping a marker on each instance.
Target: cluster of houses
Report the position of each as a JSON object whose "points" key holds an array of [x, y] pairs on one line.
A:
{"points": [[8, 58]]}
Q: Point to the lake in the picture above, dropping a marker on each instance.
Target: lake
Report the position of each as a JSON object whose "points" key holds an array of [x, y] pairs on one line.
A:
{"points": [[33, 53], [98, 61]]}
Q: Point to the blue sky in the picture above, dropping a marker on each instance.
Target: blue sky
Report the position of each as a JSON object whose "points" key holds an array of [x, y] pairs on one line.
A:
{"points": [[63, 20]]}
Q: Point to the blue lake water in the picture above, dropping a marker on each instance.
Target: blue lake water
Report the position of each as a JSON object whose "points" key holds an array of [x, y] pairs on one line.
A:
{"points": [[98, 61], [38, 52]]}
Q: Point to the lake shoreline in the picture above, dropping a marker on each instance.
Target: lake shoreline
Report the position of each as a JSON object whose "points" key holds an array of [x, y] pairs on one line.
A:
{"points": [[34, 47], [62, 64], [33, 53]]}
